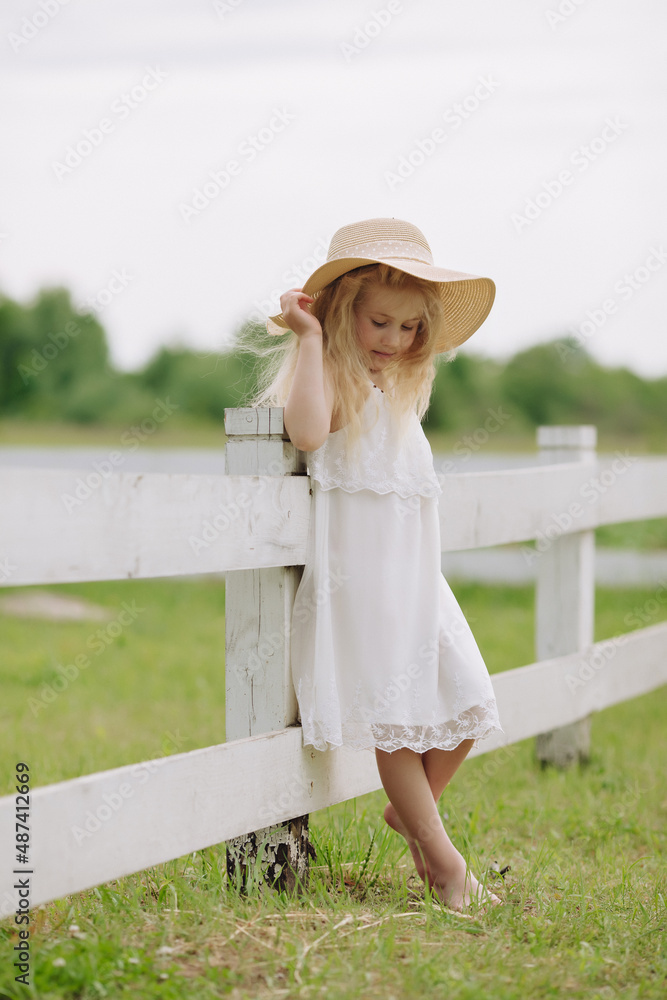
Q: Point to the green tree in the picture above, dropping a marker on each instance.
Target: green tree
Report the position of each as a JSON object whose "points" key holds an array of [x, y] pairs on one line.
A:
{"points": [[49, 350]]}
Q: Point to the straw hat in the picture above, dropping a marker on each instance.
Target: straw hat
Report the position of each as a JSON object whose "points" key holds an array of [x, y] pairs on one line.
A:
{"points": [[466, 298]]}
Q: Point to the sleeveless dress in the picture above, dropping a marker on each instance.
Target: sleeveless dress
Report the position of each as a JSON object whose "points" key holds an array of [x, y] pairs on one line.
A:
{"points": [[381, 654]]}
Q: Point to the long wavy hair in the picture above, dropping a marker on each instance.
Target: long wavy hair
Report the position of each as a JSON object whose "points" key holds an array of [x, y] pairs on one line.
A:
{"points": [[408, 380]]}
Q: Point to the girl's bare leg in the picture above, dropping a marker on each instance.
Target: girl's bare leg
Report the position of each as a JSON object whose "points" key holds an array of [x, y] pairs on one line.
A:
{"points": [[440, 767], [414, 782]]}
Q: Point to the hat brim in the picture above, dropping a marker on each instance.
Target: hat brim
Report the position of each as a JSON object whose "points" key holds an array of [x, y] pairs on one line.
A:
{"points": [[466, 298]]}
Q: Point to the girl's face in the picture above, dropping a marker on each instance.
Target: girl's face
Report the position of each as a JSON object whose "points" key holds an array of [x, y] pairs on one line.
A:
{"points": [[387, 323]]}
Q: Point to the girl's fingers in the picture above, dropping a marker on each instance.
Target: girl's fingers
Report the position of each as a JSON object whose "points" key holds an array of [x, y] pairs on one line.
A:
{"points": [[297, 295], [296, 312]]}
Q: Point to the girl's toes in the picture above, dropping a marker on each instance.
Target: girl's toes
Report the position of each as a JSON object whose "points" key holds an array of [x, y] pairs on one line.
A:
{"points": [[482, 899]]}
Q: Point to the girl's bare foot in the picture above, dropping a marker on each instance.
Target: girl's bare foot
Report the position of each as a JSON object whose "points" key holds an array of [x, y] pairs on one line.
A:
{"points": [[462, 889], [392, 820], [458, 891]]}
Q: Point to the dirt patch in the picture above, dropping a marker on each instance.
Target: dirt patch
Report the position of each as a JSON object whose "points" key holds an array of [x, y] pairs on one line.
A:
{"points": [[56, 607]]}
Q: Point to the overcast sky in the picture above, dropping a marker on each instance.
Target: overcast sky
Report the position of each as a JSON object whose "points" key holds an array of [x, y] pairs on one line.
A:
{"points": [[531, 137]]}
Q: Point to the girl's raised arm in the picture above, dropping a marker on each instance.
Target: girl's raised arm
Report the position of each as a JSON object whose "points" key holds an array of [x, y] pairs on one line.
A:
{"points": [[307, 412]]}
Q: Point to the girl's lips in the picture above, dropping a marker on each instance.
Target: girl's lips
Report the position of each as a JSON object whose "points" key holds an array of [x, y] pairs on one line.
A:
{"points": [[383, 355]]}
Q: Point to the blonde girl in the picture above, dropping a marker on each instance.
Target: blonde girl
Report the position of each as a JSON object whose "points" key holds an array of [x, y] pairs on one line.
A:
{"points": [[382, 657]]}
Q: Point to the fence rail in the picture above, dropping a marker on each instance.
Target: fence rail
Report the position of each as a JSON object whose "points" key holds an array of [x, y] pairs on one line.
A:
{"points": [[254, 526], [160, 524]]}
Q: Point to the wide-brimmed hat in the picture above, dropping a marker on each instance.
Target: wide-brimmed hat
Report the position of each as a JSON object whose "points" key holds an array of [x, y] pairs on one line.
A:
{"points": [[466, 298]]}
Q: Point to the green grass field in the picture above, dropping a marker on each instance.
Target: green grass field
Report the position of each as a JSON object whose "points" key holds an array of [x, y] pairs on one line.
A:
{"points": [[186, 431], [584, 912]]}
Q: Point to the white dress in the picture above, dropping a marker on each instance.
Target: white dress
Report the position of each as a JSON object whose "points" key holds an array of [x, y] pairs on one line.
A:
{"points": [[381, 654]]}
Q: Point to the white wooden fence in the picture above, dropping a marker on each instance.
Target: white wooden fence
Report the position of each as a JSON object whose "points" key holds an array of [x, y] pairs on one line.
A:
{"points": [[253, 523]]}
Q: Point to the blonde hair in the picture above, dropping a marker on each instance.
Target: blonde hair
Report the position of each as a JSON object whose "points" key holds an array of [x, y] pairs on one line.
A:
{"points": [[408, 381]]}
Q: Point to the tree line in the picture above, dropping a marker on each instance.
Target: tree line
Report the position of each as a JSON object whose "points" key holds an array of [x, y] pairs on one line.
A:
{"points": [[55, 365]]}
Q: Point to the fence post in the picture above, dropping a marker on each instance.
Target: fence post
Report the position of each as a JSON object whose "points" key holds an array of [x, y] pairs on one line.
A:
{"points": [[565, 590], [258, 606]]}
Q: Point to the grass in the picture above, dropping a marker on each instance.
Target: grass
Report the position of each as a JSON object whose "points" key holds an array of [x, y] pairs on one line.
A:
{"points": [[183, 431], [177, 432], [584, 912]]}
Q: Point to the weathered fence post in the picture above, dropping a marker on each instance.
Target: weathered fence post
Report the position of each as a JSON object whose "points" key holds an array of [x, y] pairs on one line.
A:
{"points": [[258, 605], [565, 588]]}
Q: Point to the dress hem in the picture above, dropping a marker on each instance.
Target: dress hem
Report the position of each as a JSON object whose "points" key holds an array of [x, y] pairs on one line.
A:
{"points": [[422, 747], [390, 488]]}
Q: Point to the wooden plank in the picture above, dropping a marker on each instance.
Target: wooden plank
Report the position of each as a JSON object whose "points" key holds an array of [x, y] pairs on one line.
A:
{"points": [[635, 495], [543, 696], [255, 420], [259, 694], [565, 594], [95, 828], [133, 525], [479, 509]]}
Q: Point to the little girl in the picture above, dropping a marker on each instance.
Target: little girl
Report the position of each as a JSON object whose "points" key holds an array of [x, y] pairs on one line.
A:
{"points": [[382, 657]]}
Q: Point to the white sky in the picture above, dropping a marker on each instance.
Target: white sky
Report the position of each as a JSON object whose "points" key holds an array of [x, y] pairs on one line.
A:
{"points": [[350, 120]]}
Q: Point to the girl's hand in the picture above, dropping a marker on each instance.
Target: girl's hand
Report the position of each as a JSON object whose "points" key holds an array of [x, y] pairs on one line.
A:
{"points": [[294, 306]]}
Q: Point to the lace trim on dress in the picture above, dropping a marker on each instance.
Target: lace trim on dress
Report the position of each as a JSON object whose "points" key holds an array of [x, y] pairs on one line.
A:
{"points": [[475, 723], [381, 465], [362, 727]]}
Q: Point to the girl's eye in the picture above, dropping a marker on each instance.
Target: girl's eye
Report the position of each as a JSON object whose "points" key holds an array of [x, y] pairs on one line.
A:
{"points": [[408, 329]]}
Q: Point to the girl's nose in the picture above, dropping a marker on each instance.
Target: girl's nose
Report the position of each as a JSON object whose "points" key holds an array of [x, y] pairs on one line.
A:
{"points": [[392, 335]]}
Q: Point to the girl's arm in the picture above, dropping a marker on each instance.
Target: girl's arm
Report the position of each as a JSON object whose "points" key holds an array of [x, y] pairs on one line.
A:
{"points": [[307, 412]]}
